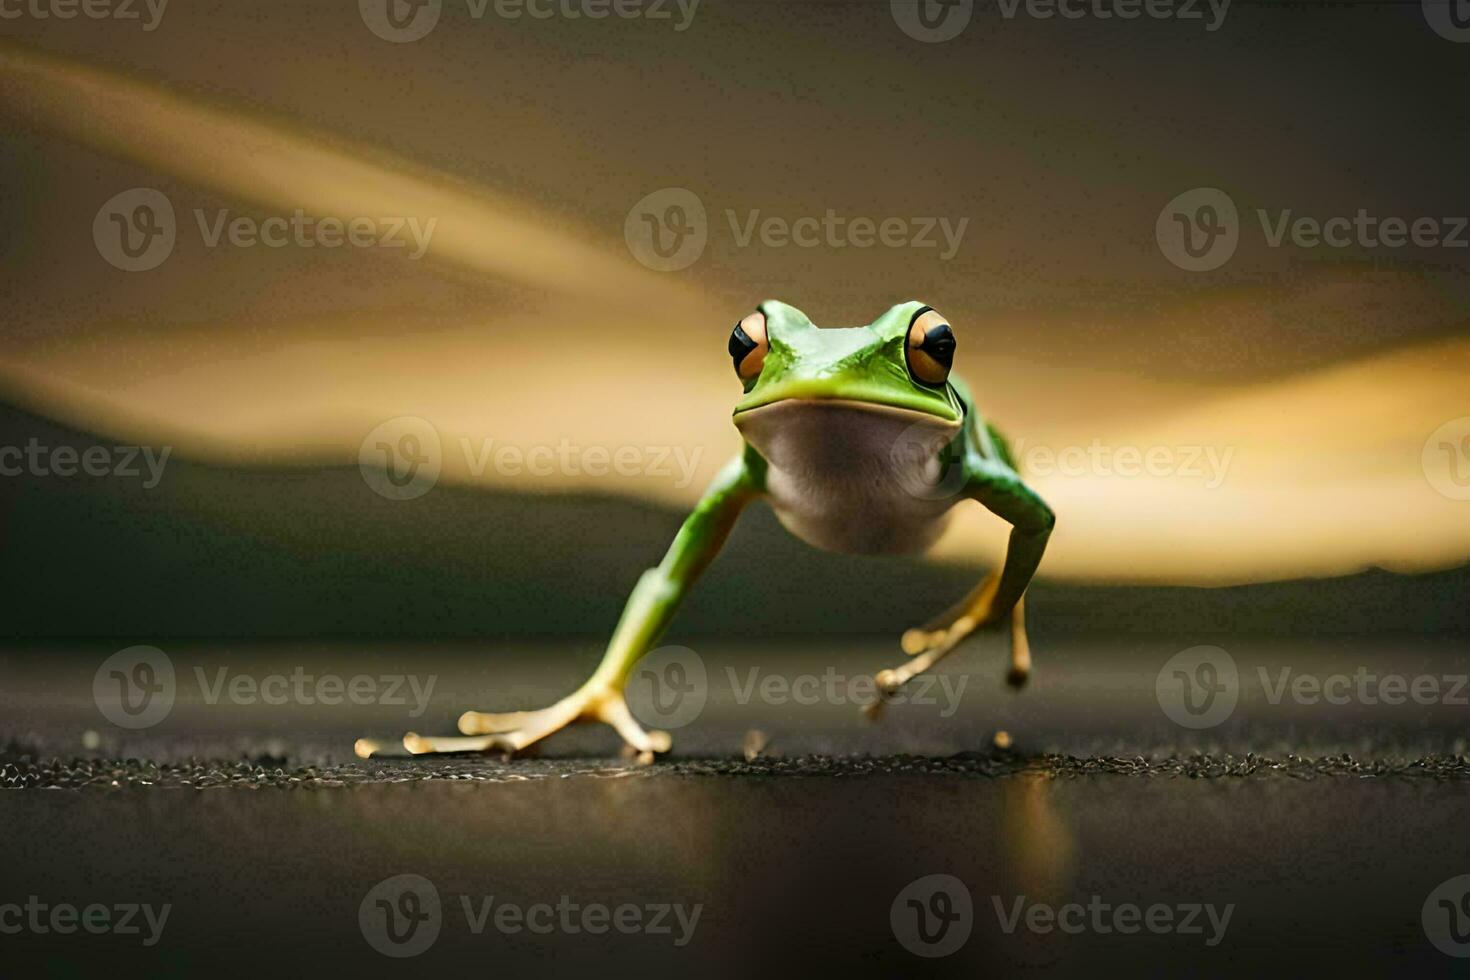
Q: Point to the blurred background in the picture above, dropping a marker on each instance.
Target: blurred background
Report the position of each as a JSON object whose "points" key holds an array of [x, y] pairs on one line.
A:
{"points": [[379, 337], [1291, 411]]}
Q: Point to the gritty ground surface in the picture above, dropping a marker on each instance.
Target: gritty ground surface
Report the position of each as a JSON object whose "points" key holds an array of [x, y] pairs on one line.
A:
{"points": [[1323, 829], [25, 771]]}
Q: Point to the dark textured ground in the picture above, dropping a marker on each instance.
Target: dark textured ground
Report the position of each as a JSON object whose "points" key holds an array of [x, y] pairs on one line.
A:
{"points": [[26, 770], [1325, 827]]}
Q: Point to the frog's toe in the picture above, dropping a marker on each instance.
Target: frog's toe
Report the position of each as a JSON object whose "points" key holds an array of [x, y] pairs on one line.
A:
{"points": [[614, 711], [366, 748], [424, 744], [485, 722]]}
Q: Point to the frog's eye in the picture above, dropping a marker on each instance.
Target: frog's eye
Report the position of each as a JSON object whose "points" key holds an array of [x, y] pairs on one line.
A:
{"points": [[748, 345], [930, 348]]}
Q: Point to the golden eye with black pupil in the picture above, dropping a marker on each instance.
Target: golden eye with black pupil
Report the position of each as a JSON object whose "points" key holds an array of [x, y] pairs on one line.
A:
{"points": [[930, 348], [748, 345]]}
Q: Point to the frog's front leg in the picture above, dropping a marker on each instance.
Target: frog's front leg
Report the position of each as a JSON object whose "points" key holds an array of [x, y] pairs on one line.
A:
{"points": [[1000, 489], [648, 611]]}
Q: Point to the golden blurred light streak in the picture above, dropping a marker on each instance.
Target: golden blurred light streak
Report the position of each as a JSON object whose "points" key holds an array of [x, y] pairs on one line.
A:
{"points": [[1325, 476], [272, 164]]}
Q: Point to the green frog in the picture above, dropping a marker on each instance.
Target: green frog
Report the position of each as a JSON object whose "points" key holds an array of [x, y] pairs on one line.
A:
{"points": [[862, 440]]}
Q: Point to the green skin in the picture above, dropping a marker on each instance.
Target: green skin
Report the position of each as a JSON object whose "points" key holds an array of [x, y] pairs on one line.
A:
{"points": [[817, 381], [864, 365]]}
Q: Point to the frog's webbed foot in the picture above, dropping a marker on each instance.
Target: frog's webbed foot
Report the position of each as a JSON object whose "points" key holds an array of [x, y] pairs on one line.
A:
{"points": [[511, 732]]}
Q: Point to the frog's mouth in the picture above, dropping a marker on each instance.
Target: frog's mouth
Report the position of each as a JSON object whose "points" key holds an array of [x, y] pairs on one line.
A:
{"points": [[876, 397], [838, 433], [746, 415]]}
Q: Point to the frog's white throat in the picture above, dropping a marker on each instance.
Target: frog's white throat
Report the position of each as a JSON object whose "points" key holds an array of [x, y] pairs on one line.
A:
{"points": [[854, 476]]}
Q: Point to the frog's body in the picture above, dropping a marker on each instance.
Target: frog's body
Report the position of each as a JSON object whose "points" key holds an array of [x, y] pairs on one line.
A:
{"points": [[861, 441]]}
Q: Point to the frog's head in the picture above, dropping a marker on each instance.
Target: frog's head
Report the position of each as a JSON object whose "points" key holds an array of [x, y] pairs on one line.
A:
{"points": [[844, 392], [899, 363]]}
